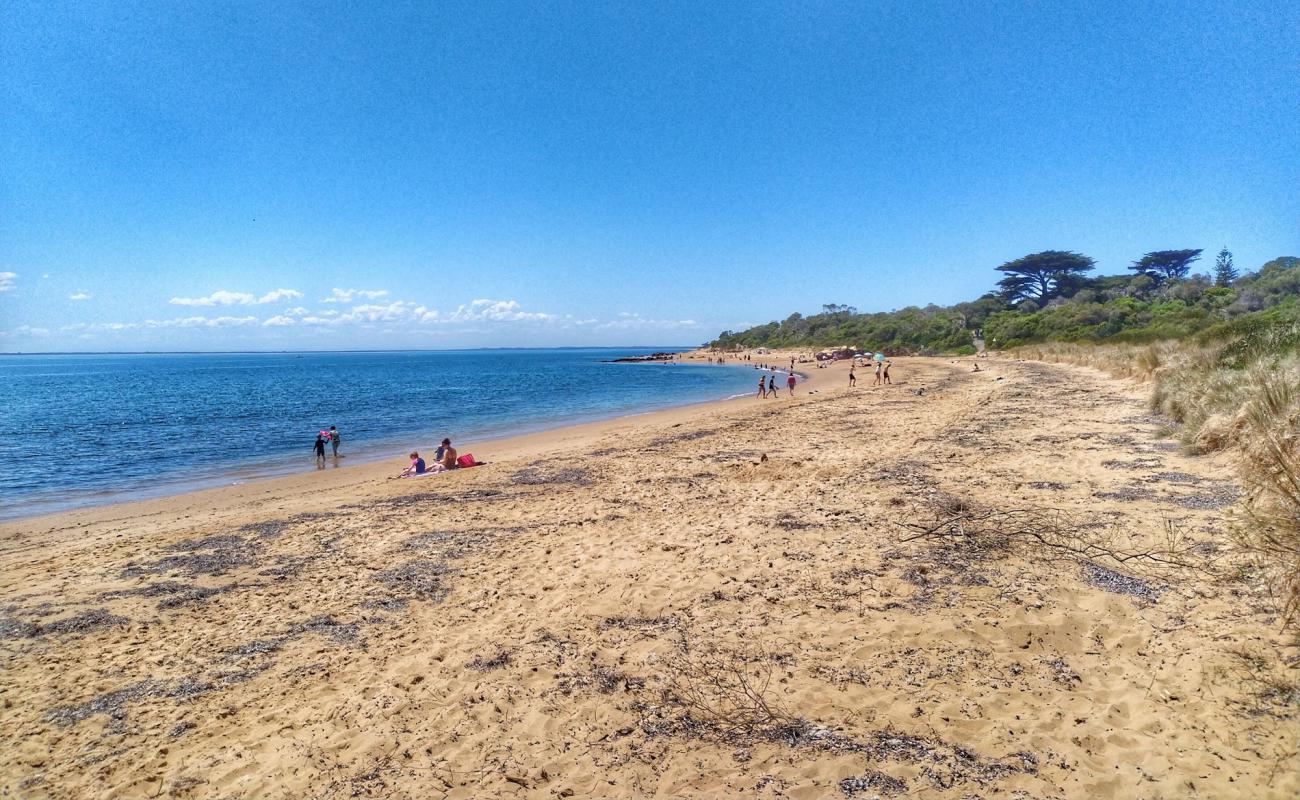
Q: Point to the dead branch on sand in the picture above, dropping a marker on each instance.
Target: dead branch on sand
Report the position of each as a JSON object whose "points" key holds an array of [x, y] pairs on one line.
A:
{"points": [[1043, 532], [723, 690]]}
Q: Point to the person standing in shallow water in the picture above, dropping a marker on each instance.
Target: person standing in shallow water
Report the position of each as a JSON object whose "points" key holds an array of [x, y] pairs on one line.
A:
{"points": [[320, 451], [334, 440]]}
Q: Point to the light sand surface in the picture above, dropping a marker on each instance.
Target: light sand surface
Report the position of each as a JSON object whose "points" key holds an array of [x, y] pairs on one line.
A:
{"points": [[717, 601]]}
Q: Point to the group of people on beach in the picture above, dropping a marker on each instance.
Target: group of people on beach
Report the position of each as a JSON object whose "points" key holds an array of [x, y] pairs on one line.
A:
{"points": [[882, 373], [767, 384], [444, 458], [767, 381], [330, 437]]}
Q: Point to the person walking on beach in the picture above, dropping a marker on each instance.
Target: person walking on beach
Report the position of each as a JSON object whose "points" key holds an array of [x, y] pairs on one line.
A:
{"points": [[790, 381], [334, 440], [853, 379], [879, 366], [887, 363], [771, 384], [762, 386], [320, 451]]}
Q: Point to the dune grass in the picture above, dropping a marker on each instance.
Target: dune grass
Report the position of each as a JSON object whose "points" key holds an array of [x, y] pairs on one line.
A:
{"points": [[1233, 390]]}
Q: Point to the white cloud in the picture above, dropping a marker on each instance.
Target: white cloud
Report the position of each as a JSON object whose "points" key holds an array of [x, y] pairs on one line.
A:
{"points": [[279, 294], [224, 298], [230, 322], [79, 296], [496, 311], [219, 298], [477, 316], [628, 321], [396, 311], [348, 295], [155, 324], [7, 280]]}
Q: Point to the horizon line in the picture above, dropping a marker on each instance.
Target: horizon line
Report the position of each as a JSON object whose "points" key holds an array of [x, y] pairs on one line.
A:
{"points": [[357, 350]]}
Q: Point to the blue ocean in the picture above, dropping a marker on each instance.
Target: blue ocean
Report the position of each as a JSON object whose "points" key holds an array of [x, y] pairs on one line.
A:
{"points": [[78, 430]]}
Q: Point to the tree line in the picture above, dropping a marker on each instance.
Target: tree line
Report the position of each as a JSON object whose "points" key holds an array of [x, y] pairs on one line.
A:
{"points": [[1051, 295]]}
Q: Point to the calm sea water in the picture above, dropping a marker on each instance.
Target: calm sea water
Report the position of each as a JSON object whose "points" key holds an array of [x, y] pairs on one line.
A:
{"points": [[79, 430]]}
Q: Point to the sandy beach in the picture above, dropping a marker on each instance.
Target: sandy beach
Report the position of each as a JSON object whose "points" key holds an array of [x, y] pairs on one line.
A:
{"points": [[967, 584]]}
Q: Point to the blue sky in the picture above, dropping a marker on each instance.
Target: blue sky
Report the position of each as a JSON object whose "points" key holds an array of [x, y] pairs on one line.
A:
{"points": [[329, 175]]}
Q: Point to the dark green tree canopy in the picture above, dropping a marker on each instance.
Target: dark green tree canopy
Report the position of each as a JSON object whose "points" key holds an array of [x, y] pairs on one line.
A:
{"points": [[1224, 272], [1037, 277], [1129, 307], [1166, 264]]}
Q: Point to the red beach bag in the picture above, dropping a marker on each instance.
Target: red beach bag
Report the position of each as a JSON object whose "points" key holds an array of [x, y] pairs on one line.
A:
{"points": [[466, 460]]}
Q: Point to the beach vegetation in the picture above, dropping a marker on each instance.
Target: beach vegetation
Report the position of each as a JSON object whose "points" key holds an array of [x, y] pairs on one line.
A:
{"points": [[1224, 272], [1233, 387], [1042, 276], [1163, 265], [1048, 297]]}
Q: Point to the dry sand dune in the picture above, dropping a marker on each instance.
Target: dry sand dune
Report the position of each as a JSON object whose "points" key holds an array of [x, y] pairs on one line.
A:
{"points": [[861, 594]]}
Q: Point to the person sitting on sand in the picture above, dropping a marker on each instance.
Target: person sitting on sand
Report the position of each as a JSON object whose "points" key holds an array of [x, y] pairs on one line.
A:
{"points": [[448, 457], [416, 467]]}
